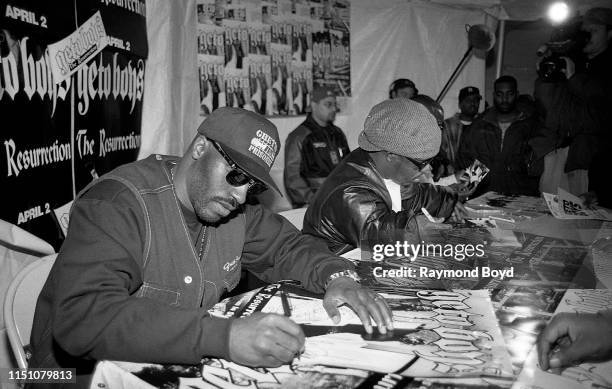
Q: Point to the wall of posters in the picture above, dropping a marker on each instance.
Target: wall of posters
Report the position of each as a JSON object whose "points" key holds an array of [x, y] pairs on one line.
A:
{"points": [[306, 43], [57, 137]]}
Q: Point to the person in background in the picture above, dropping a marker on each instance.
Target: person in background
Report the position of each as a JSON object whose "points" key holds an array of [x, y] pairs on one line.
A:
{"points": [[154, 244], [459, 124], [576, 109], [402, 87], [361, 203], [598, 23], [314, 148], [499, 139]]}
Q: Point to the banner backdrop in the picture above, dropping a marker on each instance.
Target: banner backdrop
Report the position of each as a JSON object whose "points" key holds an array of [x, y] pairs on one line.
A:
{"points": [[266, 55], [57, 137]]}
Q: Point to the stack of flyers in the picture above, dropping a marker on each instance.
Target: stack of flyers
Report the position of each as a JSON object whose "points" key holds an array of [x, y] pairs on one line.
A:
{"points": [[567, 206]]}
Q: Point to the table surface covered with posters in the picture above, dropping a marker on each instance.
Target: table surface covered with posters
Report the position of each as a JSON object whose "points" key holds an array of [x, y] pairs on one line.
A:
{"points": [[468, 303]]}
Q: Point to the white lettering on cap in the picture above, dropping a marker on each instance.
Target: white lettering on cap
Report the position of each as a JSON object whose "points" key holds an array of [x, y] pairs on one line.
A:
{"points": [[264, 147]]}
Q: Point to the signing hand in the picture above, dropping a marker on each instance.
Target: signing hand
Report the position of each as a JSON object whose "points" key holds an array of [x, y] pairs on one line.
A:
{"points": [[459, 213], [364, 302], [265, 340], [570, 339]]}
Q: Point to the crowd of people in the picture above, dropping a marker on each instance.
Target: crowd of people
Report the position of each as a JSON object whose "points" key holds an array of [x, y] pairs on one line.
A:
{"points": [[155, 243]]}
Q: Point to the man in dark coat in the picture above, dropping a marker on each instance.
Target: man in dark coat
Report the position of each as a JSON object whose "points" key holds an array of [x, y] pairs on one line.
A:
{"points": [[499, 139]]}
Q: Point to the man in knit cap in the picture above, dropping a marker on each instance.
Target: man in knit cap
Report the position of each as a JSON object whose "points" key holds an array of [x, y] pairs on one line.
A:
{"points": [[373, 196]]}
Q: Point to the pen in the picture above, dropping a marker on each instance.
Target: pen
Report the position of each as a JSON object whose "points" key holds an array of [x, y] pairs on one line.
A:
{"points": [[287, 312], [285, 301]]}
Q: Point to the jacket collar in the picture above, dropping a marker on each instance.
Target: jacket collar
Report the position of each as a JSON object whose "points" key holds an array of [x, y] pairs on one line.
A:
{"points": [[313, 125], [490, 116]]}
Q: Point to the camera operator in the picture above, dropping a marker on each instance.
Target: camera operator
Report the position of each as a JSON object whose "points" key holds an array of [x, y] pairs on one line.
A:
{"points": [[577, 110]]}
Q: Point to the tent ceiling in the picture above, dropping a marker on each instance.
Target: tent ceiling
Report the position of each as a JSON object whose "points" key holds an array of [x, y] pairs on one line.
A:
{"points": [[522, 9]]}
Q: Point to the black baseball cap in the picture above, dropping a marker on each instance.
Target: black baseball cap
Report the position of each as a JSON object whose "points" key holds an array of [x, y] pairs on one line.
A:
{"points": [[248, 138], [468, 91]]}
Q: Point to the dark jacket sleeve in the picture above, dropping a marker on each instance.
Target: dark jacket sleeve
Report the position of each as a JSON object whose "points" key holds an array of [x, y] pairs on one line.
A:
{"points": [[275, 250], [438, 200], [296, 186], [95, 313], [363, 219]]}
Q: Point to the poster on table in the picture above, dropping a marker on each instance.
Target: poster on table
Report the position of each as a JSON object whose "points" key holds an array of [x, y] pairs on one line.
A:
{"points": [[307, 43], [437, 334], [100, 104]]}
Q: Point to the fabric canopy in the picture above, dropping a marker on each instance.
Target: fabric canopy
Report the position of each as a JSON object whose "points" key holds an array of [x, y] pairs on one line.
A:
{"points": [[522, 9]]}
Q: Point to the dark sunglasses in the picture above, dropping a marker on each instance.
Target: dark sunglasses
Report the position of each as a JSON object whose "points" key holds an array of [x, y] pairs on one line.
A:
{"points": [[420, 164], [238, 177]]}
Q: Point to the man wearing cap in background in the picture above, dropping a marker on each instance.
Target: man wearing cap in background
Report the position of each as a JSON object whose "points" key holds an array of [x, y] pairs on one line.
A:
{"points": [[402, 87], [459, 124], [360, 204], [314, 148], [154, 244]]}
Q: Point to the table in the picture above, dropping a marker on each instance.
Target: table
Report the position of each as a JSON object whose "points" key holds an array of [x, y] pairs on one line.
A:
{"points": [[522, 307]]}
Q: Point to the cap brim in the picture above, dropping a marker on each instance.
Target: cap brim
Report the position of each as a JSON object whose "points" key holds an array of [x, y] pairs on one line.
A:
{"points": [[365, 144], [254, 169]]}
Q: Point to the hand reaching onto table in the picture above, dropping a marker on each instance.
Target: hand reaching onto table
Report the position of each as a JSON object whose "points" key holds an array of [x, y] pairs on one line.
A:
{"points": [[572, 338], [366, 304]]}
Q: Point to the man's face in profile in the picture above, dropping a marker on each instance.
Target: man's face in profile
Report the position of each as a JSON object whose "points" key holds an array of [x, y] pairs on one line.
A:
{"points": [[599, 40], [325, 110], [212, 197]]}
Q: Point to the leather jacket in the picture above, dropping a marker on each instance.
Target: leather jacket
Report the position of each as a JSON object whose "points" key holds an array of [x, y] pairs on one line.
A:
{"points": [[353, 207], [311, 153]]}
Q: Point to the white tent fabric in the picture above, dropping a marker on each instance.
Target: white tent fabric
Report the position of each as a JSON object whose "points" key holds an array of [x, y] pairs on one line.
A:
{"points": [[389, 39], [522, 9]]}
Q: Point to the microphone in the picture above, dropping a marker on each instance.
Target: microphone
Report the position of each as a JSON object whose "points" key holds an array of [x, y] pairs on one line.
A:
{"points": [[481, 37]]}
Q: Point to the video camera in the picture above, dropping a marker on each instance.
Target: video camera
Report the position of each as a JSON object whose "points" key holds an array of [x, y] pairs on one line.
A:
{"points": [[567, 40]]}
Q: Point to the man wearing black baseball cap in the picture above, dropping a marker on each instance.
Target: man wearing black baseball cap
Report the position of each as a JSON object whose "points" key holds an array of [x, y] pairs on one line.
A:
{"points": [[154, 244], [459, 124]]}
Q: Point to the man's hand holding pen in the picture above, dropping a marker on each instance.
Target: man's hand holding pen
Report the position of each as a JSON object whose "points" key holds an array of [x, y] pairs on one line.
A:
{"points": [[270, 340]]}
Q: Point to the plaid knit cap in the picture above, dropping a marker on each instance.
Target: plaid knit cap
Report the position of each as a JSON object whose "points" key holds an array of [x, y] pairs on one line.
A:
{"points": [[401, 126]]}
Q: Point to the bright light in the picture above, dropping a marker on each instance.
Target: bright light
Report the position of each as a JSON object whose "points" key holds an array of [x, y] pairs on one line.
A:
{"points": [[558, 12]]}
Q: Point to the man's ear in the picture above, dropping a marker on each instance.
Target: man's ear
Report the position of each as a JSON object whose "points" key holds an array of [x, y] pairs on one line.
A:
{"points": [[200, 145]]}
